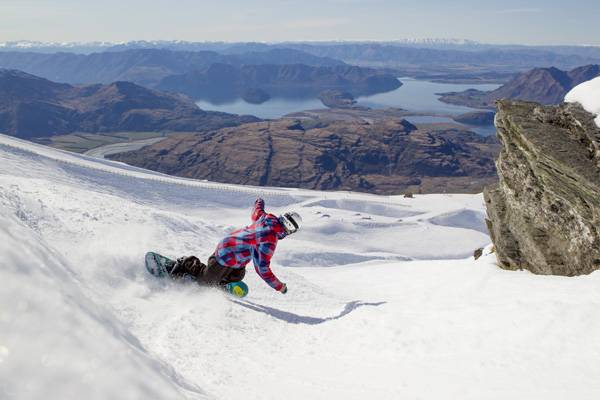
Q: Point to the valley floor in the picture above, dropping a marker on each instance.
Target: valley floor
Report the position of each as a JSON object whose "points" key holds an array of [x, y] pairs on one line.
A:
{"points": [[385, 299]]}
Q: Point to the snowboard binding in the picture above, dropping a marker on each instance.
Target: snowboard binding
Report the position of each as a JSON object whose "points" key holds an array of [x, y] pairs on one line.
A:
{"points": [[161, 267]]}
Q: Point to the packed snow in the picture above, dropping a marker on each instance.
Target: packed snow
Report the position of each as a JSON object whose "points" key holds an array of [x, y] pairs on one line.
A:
{"points": [[588, 95], [385, 299]]}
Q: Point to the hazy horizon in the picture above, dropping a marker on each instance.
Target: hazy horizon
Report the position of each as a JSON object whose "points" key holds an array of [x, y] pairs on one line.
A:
{"points": [[536, 23], [273, 42]]}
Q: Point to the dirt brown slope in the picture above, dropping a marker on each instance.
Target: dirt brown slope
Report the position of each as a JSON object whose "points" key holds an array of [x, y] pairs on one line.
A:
{"points": [[389, 156]]}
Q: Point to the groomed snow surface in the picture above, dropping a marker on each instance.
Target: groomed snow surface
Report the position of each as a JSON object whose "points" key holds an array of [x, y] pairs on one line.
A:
{"points": [[385, 300], [588, 95]]}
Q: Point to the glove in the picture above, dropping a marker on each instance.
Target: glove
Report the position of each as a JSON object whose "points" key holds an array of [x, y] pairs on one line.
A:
{"points": [[283, 289]]}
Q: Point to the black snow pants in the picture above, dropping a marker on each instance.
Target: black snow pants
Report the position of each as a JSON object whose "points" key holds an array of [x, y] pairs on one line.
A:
{"points": [[212, 273]]}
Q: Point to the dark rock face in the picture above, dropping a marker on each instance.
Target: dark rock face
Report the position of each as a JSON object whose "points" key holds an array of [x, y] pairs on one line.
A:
{"points": [[544, 215], [35, 107], [542, 85], [388, 156]]}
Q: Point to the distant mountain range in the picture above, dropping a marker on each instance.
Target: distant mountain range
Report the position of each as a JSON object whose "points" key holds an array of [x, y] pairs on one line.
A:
{"points": [[439, 59], [499, 59], [220, 82], [230, 47], [143, 66], [90, 47], [542, 85], [31, 107], [206, 74]]}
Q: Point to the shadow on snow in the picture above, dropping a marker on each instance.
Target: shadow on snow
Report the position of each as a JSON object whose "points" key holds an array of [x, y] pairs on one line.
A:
{"points": [[303, 319]]}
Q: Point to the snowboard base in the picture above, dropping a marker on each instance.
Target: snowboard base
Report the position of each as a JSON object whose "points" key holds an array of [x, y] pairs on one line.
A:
{"points": [[157, 265]]}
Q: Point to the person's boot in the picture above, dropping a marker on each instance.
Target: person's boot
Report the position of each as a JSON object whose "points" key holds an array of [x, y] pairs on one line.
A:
{"points": [[186, 266]]}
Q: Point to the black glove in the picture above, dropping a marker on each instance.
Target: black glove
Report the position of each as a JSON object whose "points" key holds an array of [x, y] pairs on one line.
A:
{"points": [[283, 289]]}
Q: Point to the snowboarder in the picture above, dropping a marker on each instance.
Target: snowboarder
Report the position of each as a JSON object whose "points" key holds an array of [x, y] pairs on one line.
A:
{"points": [[255, 242]]}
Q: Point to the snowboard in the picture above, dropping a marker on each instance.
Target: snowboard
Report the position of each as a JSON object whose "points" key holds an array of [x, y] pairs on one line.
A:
{"points": [[159, 266]]}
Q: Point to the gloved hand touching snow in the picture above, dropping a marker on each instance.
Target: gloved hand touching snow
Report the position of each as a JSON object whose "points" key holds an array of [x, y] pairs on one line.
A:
{"points": [[283, 289]]}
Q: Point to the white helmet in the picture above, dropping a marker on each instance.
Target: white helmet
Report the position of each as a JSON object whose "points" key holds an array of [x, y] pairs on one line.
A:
{"points": [[291, 221]]}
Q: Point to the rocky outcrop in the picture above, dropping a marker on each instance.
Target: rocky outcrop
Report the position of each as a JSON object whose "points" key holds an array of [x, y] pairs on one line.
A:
{"points": [[544, 215], [389, 156]]}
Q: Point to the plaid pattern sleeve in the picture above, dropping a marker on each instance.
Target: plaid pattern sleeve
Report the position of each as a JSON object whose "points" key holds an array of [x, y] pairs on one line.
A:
{"points": [[262, 264], [259, 209]]}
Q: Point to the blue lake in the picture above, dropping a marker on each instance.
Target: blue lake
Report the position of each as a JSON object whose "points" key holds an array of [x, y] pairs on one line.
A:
{"points": [[416, 95], [413, 95], [273, 108]]}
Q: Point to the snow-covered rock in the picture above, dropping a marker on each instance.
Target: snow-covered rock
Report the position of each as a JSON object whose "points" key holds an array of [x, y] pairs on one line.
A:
{"points": [[588, 95], [384, 298]]}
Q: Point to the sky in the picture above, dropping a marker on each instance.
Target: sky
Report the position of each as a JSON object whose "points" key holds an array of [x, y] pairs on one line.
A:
{"points": [[509, 21]]}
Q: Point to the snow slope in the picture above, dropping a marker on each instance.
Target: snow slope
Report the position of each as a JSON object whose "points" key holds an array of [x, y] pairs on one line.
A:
{"points": [[384, 299], [588, 95]]}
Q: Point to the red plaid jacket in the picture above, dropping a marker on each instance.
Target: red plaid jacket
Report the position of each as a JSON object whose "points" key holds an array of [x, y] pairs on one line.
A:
{"points": [[255, 242]]}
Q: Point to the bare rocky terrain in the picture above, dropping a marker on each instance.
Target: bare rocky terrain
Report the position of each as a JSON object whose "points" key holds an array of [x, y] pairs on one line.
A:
{"points": [[378, 155]]}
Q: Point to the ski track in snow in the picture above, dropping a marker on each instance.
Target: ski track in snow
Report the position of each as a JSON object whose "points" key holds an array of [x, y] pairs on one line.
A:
{"points": [[385, 299]]}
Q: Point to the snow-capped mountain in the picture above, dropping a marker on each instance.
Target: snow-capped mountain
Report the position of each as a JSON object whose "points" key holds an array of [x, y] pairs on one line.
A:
{"points": [[385, 299], [28, 44], [436, 42], [52, 47]]}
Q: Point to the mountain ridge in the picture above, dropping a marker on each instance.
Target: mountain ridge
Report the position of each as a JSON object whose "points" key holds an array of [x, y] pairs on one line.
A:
{"points": [[142, 66], [226, 80], [543, 85], [31, 106]]}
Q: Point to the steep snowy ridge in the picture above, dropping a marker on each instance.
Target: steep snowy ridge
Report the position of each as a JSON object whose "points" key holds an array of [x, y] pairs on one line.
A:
{"points": [[384, 301], [57, 343]]}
